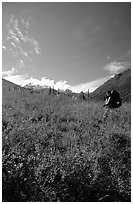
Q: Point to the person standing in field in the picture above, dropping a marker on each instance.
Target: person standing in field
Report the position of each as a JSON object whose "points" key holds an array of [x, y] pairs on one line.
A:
{"points": [[112, 101]]}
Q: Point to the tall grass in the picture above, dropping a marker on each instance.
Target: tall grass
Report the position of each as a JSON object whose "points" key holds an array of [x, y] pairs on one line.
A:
{"points": [[68, 154]]}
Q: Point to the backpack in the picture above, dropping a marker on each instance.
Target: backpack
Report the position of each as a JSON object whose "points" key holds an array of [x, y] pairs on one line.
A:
{"points": [[115, 101]]}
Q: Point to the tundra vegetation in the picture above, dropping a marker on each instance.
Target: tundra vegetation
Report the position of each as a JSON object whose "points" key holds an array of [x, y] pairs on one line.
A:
{"points": [[59, 149]]}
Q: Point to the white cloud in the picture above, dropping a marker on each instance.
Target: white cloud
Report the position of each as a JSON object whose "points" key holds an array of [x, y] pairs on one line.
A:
{"points": [[16, 79], [13, 39], [33, 45], [116, 67], [22, 51], [20, 34], [18, 41], [10, 72], [31, 81], [61, 85], [23, 80], [45, 82]]}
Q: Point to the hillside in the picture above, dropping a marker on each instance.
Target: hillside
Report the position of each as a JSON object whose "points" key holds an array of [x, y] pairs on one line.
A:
{"points": [[11, 91], [16, 93], [56, 149], [120, 82]]}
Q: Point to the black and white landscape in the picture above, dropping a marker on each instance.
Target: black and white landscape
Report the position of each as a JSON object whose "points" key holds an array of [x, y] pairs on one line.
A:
{"points": [[59, 60]]}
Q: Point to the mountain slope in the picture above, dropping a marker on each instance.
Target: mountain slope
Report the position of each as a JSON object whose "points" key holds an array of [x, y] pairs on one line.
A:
{"points": [[57, 150], [12, 92], [120, 82]]}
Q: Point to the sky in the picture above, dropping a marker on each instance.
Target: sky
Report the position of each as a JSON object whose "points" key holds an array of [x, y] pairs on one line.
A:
{"points": [[65, 45]]}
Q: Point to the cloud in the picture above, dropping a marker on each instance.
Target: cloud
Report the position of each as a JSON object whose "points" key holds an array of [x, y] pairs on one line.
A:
{"points": [[23, 80], [30, 45], [19, 43], [92, 85], [31, 81], [116, 67], [45, 82], [61, 85], [13, 39], [16, 79], [10, 72], [13, 70]]}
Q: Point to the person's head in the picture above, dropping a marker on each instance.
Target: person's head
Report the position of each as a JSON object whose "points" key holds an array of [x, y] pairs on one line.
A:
{"points": [[114, 93], [108, 93]]}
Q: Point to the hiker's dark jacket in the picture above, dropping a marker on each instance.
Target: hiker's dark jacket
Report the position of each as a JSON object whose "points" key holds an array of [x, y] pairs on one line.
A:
{"points": [[113, 100]]}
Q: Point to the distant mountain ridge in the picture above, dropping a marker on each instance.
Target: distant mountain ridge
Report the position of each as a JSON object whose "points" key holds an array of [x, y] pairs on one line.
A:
{"points": [[120, 82]]}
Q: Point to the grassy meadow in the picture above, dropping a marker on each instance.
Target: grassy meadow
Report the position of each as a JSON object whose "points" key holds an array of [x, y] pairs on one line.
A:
{"points": [[60, 149]]}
